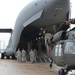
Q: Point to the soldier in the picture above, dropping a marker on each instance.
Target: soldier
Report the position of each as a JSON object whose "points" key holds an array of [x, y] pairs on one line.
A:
{"points": [[32, 56], [35, 55], [18, 54], [24, 56]]}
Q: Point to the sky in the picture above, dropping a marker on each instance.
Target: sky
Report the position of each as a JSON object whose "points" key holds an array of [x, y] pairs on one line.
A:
{"points": [[72, 8], [9, 10]]}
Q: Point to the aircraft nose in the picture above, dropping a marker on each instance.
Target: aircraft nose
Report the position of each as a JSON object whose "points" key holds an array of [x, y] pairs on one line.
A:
{"points": [[9, 52]]}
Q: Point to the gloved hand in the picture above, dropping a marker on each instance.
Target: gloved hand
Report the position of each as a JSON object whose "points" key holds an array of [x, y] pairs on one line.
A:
{"points": [[68, 22]]}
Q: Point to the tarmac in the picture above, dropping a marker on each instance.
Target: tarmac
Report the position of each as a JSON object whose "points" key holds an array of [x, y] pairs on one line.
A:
{"points": [[12, 67]]}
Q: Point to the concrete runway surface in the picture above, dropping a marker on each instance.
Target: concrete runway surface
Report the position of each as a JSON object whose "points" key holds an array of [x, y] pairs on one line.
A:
{"points": [[12, 67]]}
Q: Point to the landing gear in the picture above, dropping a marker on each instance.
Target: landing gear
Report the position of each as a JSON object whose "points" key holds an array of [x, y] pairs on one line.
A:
{"points": [[13, 56], [2, 55], [61, 72], [8, 57], [51, 64]]}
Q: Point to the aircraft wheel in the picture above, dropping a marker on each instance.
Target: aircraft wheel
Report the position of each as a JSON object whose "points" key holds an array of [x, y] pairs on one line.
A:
{"points": [[8, 57], [2, 55], [13, 56], [61, 72], [50, 65]]}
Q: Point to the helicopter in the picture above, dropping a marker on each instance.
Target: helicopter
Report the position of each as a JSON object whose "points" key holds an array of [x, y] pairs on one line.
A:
{"points": [[61, 47]]}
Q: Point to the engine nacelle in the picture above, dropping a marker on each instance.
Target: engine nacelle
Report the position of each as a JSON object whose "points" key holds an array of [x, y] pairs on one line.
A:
{"points": [[61, 35]]}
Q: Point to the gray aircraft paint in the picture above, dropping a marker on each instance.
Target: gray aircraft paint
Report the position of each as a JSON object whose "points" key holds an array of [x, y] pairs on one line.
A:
{"points": [[50, 12]]}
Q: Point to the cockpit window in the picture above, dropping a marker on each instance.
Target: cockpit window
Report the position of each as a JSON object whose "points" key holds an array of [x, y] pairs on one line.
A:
{"points": [[58, 50], [69, 48]]}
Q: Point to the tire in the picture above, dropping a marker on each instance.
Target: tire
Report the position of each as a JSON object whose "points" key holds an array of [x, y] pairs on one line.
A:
{"points": [[8, 57], [61, 72], [13, 57], [2, 55], [50, 65]]}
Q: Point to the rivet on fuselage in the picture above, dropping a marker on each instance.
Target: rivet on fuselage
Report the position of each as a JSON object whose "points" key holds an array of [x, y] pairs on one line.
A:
{"points": [[35, 4], [45, 2]]}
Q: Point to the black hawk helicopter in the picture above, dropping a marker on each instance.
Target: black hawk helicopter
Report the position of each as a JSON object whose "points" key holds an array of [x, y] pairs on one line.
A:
{"points": [[61, 48]]}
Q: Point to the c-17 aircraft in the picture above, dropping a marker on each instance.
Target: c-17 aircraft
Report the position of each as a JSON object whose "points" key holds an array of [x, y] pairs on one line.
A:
{"points": [[46, 14]]}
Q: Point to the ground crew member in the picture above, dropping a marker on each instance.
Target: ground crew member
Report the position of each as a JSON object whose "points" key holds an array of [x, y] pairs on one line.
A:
{"points": [[35, 55], [24, 56], [32, 56], [18, 55]]}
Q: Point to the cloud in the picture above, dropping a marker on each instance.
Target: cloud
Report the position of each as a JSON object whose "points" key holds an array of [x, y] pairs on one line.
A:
{"points": [[9, 10]]}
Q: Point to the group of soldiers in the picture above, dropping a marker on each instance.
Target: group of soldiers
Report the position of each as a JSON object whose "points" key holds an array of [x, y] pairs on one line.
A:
{"points": [[21, 55]]}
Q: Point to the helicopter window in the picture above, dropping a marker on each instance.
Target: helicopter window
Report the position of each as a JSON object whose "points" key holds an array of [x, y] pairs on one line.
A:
{"points": [[69, 48], [58, 50]]}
